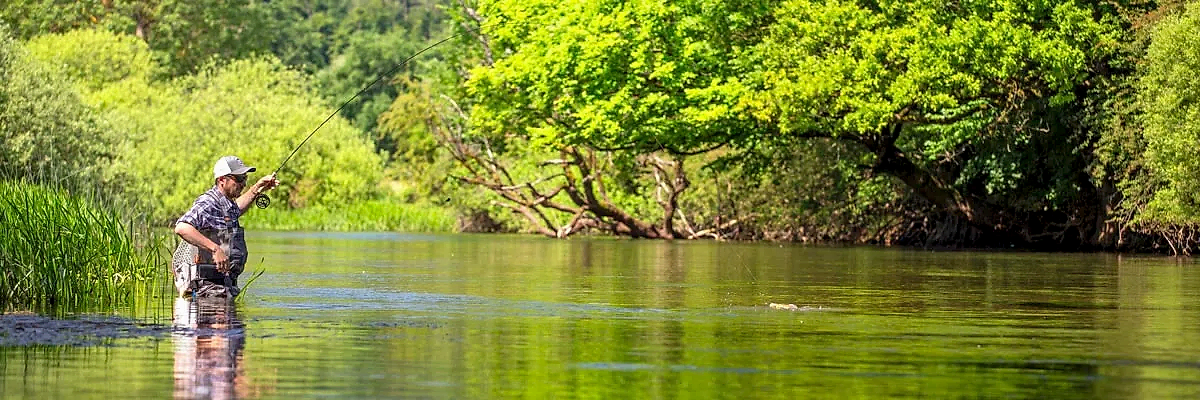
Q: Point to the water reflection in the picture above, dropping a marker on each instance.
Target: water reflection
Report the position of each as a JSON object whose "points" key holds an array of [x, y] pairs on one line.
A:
{"points": [[209, 340], [481, 317]]}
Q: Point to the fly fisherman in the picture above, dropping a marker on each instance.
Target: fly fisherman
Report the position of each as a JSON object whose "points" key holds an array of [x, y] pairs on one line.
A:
{"points": [[213, 251]]}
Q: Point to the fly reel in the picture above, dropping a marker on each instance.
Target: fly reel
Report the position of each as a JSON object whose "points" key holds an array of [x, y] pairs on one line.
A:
{"points": [[262, 201]]}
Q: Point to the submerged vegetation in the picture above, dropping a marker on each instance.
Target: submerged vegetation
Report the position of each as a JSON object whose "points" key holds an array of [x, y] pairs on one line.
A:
{"points": [[60, 251]]}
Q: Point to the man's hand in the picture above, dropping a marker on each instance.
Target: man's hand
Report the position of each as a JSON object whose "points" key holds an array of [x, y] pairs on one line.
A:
{"points": [[193, 236], [267, 183], [264, 184], [221, 259]]}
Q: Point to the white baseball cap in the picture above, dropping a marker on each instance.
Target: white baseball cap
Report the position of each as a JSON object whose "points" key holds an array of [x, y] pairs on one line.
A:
{"points": [[230, 165]]}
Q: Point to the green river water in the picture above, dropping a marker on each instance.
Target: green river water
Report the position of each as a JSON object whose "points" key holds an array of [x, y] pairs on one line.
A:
{"points": [[487, 316]]}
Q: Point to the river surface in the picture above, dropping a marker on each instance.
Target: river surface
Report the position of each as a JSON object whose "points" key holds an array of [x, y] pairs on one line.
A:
{"points": [[484, 316]]}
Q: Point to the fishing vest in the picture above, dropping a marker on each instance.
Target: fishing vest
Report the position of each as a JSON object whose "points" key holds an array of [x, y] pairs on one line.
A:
{"points": [[195, 264]]}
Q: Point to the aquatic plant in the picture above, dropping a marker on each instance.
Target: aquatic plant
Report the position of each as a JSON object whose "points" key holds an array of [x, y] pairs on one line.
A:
{"points": [[253, 277], [61, 251]]}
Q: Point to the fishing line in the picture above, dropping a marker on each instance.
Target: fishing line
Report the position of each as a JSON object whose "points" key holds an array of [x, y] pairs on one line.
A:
{"points": [[261, 200]]}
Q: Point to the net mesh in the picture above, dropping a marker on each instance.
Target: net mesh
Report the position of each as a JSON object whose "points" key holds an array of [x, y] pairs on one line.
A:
{"points": [[185, 254]]}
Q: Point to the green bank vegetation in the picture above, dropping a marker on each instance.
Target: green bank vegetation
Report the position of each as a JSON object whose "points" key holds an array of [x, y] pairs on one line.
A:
{"points": [[63, 252], [1048, 125], [375, 215]]}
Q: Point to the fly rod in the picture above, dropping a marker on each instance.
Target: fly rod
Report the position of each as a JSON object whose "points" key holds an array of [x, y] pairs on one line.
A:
{"points": [[261, 200]]}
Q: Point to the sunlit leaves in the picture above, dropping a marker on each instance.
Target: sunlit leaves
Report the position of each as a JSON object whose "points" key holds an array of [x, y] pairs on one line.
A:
{"points": [[95, 58], [644, 74], [648, 73], [256, 109], [1171, 99], [171, 132], [972, 99], [848, 68], [46, 130]]}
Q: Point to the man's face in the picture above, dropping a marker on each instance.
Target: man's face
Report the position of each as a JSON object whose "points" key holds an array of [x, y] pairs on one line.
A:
{"points": [[232, 185]]}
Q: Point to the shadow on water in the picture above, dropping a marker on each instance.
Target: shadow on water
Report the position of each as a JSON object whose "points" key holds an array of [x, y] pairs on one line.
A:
{"points": [[209, 339]]}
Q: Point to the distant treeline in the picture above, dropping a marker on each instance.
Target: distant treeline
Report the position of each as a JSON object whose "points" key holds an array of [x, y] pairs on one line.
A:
{"points": [[1047, 125]]}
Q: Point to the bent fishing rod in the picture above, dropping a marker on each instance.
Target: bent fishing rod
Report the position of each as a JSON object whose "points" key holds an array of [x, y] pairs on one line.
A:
{"points": [[261, 200]]}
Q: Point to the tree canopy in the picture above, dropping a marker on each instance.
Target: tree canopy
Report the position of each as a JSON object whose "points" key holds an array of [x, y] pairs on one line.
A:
{"points": [[643, 75], [950, 100]]}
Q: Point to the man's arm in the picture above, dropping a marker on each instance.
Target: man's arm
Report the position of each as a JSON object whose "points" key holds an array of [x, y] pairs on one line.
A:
{"points": [[191, 235], [264, 184]]}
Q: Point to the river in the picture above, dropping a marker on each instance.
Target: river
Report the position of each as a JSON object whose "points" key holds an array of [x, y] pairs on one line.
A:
{"points": [[382, 315]]}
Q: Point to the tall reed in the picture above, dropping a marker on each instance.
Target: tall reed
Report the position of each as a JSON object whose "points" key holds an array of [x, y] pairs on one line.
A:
{"points": [[59, 251]]}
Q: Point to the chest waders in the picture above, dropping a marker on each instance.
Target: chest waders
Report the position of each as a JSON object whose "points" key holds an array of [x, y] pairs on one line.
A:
{"points": [[195, 271]]}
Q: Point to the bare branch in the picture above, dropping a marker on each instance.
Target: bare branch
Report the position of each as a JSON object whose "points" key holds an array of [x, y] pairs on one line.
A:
{"points": [[529, 185], [479, 36], [569, 228], [714, 232], [530, 216]]}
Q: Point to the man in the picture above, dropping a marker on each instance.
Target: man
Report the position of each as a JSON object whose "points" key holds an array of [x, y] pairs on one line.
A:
{"points": [[213, 251]]}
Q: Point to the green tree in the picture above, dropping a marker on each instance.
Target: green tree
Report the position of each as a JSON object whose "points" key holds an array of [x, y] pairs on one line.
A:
{"points": [[1170, 100], [962, 103], [95, 58], [646, 76], [309, 34], [46, 130], [257, 109], [27, 19], [188, 33], [366, 57], [185, 34], [969, 105], [624, 93]]}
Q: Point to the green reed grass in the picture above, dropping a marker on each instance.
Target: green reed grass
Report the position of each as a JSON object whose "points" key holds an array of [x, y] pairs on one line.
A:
{"points": [[373, 215], [59, 251]]}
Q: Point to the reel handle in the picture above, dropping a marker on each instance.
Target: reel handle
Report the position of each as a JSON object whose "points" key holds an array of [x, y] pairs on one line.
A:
{"points": [[261, 200]]}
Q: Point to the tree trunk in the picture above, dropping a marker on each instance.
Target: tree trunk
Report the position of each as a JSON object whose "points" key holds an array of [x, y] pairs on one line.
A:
{"points": [[142, 31], [1081, 226], [583, 192], [975, 211]]}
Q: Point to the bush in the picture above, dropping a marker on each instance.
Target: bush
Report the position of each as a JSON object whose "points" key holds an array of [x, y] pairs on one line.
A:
{"points": [[95, 58], [46, 131], [255, 109]]}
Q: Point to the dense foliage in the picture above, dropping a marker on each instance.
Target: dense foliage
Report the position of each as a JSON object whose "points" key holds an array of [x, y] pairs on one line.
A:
{"points": [[46, 130], [255, 109], [986, 122], [173, 130], [1170, 96], [955, 103]]}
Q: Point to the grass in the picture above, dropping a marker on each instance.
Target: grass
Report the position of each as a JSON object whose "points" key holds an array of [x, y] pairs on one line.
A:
{"points": [[372, 215], [64, 252]]}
